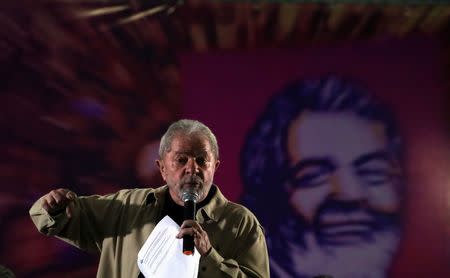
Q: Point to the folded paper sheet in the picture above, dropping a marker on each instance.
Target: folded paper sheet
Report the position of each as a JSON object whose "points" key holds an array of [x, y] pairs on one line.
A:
{"points": [[161, 256]]}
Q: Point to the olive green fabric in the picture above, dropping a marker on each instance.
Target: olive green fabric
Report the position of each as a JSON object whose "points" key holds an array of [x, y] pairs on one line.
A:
{"points": [[5, 272], [117, 225]]}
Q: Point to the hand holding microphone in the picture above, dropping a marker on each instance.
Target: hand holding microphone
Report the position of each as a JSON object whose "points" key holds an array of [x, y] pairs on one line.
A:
{"points": [[189, 197], [191, 232]]}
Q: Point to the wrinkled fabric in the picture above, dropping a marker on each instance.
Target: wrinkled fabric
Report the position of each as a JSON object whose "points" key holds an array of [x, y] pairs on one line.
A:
{"points": [[117, 225]]}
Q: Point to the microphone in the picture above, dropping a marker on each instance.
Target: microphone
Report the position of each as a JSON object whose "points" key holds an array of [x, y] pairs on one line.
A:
{"points": [[189, 197]]}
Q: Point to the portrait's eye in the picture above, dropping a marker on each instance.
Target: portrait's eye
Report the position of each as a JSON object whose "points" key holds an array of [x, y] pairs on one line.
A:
{"points": [[375, 172], [311, 176]]}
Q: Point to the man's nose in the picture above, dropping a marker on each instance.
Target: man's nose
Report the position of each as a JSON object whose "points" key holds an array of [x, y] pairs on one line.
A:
{"points": [[347, 186], [191, 166]]}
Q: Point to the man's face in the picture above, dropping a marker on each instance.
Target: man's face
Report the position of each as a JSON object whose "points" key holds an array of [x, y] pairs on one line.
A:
{"points": [[189, 163], [343, 181]]}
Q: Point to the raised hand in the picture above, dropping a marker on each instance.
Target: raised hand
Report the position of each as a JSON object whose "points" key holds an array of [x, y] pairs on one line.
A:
{"points": [[57, 200]]}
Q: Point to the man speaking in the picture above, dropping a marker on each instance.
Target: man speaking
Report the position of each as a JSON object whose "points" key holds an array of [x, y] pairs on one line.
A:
{"points": [[228, 237]]}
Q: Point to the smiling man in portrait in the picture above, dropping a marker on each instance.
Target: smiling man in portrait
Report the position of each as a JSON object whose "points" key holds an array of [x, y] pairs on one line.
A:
{"points": [[322, 171]]}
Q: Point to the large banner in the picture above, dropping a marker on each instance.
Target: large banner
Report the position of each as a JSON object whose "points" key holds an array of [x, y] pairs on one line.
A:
{"points": [[341, 151]]}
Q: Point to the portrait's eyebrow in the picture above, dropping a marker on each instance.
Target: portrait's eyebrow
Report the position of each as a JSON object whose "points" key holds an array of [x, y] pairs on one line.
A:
{"points": [[380, 155], [322, 162]]}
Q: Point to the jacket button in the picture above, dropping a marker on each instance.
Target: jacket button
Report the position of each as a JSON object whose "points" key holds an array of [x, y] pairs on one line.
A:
{"points": [[203, 268]]}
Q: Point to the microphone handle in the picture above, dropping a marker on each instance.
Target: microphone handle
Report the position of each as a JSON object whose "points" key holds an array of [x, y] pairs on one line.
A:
{"points": [[188, 240]]}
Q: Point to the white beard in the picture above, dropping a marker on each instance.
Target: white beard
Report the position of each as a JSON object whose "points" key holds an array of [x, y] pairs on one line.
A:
{"points": [[365, 260]]}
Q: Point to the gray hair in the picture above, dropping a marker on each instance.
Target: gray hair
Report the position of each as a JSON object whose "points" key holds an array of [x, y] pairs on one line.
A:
{"points": [[187, 127]]}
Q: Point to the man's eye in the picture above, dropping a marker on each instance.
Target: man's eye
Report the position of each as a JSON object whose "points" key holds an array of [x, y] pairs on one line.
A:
{"points": [[200, 161], [182, 160]]}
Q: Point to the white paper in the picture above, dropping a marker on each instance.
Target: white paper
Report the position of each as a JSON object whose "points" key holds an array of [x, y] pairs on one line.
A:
{"points": [[162, 256]]}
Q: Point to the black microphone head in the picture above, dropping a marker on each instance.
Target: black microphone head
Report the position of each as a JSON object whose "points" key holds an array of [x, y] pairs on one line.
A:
{"points": [[189, 194]]}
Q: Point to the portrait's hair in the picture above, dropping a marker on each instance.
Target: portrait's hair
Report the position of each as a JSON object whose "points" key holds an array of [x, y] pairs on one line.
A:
{"points": [[187, 127], [264, 162]]}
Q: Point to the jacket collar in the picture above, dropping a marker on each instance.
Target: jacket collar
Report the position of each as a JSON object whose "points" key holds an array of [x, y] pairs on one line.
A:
{"points": [[213, 210], [156, 195]]}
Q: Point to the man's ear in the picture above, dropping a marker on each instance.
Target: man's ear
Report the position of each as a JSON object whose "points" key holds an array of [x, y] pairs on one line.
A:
{"points": [[216, 165], [162, 170]]}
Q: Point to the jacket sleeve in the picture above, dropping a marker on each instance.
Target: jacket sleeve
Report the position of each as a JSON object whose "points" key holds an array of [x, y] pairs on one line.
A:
{"points": [[251, 258], [93, 218]]}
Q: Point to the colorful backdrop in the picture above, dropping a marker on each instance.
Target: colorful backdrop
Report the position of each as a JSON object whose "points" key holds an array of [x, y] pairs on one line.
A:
{"points": [[87, 92], [229, 91]]}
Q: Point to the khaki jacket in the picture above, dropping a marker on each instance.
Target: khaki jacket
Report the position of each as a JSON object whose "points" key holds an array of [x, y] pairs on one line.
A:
{"points": [[117, 225]]}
